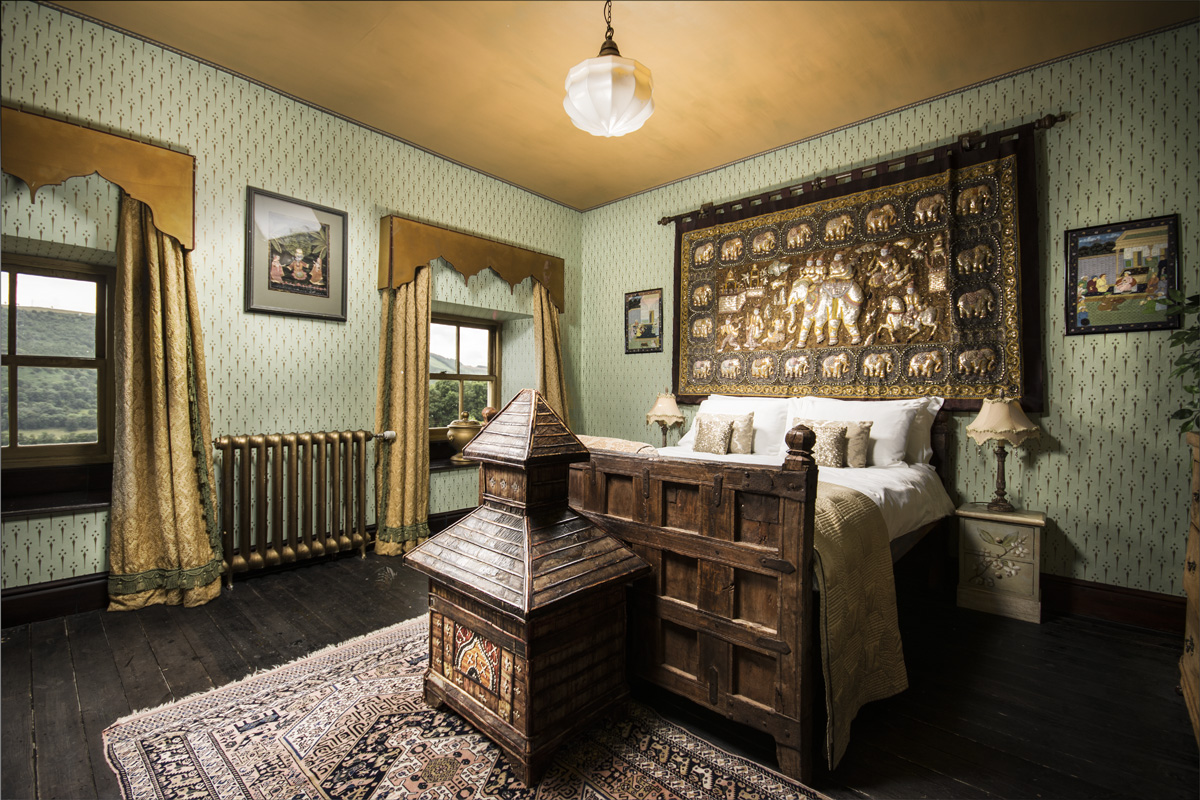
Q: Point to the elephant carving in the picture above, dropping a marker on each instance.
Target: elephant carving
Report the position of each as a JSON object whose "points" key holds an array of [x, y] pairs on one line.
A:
{"points": [[763, 243], [924, 365], [882, 219], [977, 259], [838, 228], [762, 367], [731, 368], [704, 253], [799, 235], [975, 200], [702, 370], [731, 250], [930, 209], [976, 362], [702, 295], [836, 366], [877, 365], [978, 303], [702, 328], [796, 366]]}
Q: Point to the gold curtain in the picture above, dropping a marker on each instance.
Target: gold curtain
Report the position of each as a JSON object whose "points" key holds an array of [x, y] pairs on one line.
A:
{"points": [[548, 352], [402, 405], [164, 543]]}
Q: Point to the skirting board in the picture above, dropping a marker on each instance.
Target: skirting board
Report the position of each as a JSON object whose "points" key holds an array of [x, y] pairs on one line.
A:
{"points": [[1158, 612]]}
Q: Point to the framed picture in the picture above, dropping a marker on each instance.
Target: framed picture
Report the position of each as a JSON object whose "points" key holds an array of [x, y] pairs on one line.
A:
{"points": [[1118, 276], [643, 321], [295, 257]]}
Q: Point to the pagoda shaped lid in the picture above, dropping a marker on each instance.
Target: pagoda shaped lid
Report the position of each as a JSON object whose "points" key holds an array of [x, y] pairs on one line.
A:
{"points": [[526, 431], [521, 564]]}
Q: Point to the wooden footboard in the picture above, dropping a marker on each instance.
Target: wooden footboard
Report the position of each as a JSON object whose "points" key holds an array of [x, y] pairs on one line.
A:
{"points": [[726, 620]]}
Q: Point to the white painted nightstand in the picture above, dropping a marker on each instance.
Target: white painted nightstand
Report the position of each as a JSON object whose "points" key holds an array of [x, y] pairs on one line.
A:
{"points": [[999, 561]]}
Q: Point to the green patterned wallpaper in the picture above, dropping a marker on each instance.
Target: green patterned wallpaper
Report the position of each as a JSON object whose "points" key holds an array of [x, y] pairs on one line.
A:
{"points": [[1110, 470], [266, 373], [1128, 151]]}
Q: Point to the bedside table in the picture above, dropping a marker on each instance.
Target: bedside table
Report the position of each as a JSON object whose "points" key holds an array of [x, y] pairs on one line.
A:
{"points": [[999, 561]]}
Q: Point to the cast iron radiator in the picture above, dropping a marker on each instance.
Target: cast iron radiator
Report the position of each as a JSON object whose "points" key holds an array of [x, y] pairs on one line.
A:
{"points": [[311, 486]]}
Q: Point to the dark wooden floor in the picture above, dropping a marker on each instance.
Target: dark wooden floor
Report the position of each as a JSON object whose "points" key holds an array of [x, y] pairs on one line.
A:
{"points": [[996, 708]]}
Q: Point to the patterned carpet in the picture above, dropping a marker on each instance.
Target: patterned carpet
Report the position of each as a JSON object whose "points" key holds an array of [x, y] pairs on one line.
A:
{"points": [[349, 722]]}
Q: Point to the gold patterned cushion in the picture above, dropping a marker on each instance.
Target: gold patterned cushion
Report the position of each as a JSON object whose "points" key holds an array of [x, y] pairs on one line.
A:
{"points": [[858, 439], [830, 447], [741, 441], [712, 436]]}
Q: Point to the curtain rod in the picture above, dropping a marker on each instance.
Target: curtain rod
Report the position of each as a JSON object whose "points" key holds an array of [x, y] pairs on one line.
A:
{"points": [[966, 141]]}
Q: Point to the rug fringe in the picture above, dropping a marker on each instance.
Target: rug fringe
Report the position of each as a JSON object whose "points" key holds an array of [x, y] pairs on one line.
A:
{"points": [[424, 618]]}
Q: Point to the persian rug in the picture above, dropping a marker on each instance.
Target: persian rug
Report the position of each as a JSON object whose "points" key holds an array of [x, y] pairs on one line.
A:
{"points": [[350, 722]]}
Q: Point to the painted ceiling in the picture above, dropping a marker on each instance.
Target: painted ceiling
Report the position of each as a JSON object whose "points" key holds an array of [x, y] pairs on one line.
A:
{"points": [[481, 83]]}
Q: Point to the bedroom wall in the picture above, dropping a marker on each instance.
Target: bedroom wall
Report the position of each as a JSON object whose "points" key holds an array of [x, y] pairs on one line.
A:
{"points": [[1110, 470], [266, 373]]}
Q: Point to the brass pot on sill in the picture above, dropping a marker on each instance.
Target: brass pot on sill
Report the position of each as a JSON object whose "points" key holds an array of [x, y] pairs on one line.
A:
{"points": [[460, 433]]}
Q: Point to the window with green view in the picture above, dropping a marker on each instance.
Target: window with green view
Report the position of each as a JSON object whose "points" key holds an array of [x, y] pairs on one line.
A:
{"points": [[54, 361], [463, 369]]}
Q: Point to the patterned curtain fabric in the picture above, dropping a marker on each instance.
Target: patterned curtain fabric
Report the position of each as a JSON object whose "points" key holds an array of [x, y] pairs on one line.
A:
{"points": [[548, 352], [402, 466], [164, 544]]}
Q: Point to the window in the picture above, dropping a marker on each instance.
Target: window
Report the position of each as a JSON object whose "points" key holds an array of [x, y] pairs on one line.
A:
{"points": [[464, 369], [55, 362]]}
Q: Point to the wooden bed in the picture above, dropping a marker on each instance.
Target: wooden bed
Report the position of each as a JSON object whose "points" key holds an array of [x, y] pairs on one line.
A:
{"points": [[727, 619]]}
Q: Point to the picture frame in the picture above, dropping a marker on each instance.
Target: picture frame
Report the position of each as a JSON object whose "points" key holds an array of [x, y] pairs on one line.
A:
{"points": [[643, 323], [1118, 276], [295, 257]]}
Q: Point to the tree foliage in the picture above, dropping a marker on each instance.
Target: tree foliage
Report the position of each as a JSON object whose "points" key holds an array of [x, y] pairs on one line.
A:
{"points": [[1187, 363]]}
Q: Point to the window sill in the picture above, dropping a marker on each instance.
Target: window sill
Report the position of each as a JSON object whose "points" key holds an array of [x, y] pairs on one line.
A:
{"points": [[50, 505], [445, 465]]}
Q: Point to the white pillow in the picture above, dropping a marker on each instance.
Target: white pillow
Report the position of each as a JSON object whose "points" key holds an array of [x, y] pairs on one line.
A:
{"points": [[770, 419], [892, 420], [919, 449]]}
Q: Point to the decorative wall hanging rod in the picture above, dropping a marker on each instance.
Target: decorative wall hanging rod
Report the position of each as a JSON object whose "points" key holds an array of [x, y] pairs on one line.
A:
{"points": [[965, 142]]}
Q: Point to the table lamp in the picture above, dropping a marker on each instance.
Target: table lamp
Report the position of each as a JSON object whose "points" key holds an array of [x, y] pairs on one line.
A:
{"points": [[666, 413], [1004, 421]]}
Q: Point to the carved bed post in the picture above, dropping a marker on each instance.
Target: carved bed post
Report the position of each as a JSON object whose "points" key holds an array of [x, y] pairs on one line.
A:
{"points": [[796, 757]]}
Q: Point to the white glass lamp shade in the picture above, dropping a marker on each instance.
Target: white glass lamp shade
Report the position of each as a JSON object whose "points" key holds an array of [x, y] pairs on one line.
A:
{"points": [[1001, 419], [665, 412], [609, 95]]}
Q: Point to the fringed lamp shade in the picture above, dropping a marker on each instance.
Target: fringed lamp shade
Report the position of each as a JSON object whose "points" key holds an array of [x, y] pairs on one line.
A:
{"points": [[666, 413], [1002, 419], [1004, 422]]}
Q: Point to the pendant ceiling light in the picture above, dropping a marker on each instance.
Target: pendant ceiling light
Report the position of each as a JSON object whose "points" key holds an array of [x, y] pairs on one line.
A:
{"points": [[609, 95]]}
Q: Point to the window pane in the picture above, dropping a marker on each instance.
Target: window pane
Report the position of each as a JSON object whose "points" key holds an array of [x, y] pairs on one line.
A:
{"points": [[475, 398], [474, 344], [4, 316], [443, 403], [442, 355], [56, 317], [56, 405]]}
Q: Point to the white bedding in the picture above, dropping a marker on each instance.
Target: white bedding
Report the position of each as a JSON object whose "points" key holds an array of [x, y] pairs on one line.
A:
{"points": [[909, 495]]}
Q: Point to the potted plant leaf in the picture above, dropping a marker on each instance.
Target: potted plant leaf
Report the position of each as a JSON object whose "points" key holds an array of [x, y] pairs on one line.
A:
{"points": [[1187, 363]]}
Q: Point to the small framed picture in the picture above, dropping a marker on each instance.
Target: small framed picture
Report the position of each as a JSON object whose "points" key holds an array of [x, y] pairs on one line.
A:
{"points": [[1118, 276], [295, 257], [643, 321]]}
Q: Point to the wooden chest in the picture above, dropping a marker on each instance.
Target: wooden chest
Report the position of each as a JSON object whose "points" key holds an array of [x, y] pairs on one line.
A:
{"points": [[526, 598], [1189, 662]]}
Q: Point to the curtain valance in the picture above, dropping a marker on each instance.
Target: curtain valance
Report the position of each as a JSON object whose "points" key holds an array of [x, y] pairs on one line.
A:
{"points": [[407, 245], [43, 151]]}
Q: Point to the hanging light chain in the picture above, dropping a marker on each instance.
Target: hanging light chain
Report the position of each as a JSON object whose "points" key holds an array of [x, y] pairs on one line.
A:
{"points": [[608, 20]]}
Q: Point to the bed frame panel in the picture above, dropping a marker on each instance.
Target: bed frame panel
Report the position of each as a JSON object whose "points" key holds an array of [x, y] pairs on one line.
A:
{"points": [[723, 619]]}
